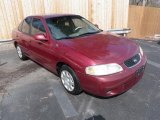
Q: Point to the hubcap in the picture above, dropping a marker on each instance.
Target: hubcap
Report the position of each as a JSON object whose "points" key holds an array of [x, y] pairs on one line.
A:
{"points": [[67, 80], [19, 51]]}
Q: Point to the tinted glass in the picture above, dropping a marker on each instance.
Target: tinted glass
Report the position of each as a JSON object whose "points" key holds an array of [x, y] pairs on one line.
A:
{"points": [[37, 27], [70, 26], [26, 25]]}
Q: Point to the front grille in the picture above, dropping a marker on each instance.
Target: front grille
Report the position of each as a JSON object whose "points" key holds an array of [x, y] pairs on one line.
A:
{"points": [[132, 61]]}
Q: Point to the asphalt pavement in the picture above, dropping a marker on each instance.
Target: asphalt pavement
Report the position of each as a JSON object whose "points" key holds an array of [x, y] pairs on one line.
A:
{"points": [[30, 92]]}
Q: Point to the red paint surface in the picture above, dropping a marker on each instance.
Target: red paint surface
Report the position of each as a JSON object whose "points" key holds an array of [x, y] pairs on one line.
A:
{"points": [[78, 53]]}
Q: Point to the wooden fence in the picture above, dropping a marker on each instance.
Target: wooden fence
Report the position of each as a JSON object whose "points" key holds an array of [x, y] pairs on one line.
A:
{"points": [[144, 21], [106, 13]]}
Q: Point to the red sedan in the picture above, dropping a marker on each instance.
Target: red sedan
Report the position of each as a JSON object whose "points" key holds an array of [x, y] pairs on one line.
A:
{"points": [[85, 57]]}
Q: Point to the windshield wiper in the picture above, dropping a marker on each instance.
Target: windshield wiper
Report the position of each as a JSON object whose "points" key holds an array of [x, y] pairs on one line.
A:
{"points": [[84, 34], [88, 33], [67, 37]]}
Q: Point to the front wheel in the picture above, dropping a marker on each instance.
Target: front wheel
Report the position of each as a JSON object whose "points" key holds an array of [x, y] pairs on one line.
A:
{"points": [[20, 53], [70, 80]]}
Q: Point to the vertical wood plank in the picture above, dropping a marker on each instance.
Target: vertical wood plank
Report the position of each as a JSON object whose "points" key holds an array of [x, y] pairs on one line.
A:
{"points": [[97, 11]]}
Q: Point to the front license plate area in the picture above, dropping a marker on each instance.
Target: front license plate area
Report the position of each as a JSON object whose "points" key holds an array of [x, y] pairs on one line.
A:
{"points": [[140, 71]]}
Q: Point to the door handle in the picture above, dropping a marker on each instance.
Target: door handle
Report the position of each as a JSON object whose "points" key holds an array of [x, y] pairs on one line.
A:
{"points": [[40, 43]]}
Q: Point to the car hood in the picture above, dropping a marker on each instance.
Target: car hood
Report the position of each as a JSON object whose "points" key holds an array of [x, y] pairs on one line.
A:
{"points": [[103, 47]]}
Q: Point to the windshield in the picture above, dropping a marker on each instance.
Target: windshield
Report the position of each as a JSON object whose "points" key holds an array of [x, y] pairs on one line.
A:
{"points": [[70, 27]]}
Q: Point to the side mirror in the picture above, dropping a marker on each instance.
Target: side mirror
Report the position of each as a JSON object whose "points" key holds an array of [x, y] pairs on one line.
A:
{"points": [[96, 25], [40, 37]]}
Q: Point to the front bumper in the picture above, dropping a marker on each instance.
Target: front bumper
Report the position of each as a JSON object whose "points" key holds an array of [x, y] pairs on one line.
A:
{"points": [[115, 84]]}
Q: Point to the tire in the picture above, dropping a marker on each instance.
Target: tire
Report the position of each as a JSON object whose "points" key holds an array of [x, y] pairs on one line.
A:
{"points": [[21, 55], [66, 75]]}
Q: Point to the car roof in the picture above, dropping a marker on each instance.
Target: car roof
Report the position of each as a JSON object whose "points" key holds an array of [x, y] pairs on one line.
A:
{"points": [[52, 15]]}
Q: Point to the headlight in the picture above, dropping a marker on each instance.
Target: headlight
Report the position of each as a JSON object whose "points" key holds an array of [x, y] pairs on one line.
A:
{"points": [[105, 69], [141, 51]]}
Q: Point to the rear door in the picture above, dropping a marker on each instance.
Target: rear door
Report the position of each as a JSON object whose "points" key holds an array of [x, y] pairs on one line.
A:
{"points": [[24, 35]]}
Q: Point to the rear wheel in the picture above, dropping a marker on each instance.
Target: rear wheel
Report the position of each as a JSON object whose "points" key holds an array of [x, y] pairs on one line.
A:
{"points": [[70, 80], [20, 53]]}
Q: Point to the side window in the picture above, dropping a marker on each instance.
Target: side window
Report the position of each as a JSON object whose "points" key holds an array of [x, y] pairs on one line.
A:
{"points": [[37, 27], [26, 25]]}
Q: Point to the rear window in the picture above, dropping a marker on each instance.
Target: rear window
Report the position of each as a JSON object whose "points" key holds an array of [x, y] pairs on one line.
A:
{"points": [[20, 26]]}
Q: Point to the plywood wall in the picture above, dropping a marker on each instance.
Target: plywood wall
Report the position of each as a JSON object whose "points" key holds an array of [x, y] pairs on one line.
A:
{"points": [[106, 13], [120, 13], [144, 21]]}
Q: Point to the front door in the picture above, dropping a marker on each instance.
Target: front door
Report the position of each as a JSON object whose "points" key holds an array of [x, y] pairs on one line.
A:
{"points": [[41, 51]]}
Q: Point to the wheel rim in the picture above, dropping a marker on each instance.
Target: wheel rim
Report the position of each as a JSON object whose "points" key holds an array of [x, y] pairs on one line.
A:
{"points": [[19, 51], [67, 80]]}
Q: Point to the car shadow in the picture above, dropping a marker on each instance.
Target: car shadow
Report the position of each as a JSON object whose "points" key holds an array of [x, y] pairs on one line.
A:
{"points": [[96, 117], [100, 97]]}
